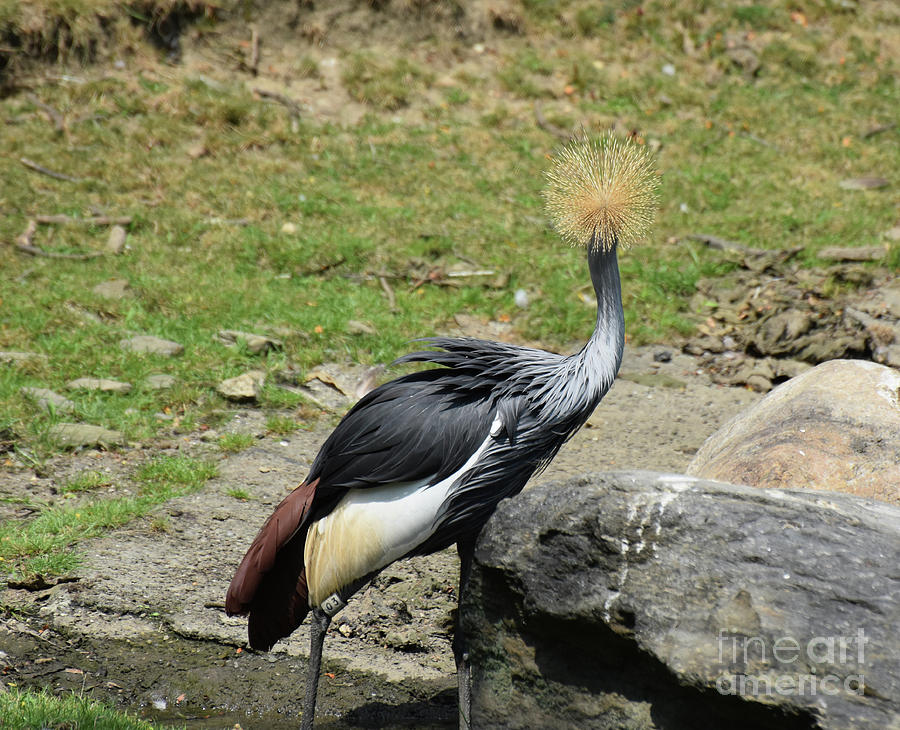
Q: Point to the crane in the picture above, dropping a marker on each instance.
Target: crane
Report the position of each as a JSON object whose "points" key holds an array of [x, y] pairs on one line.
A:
{"points": [[420, 463]]}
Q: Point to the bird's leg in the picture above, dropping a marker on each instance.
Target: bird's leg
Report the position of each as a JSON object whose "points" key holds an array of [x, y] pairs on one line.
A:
{"points": [[318, 625], [466, 550]]}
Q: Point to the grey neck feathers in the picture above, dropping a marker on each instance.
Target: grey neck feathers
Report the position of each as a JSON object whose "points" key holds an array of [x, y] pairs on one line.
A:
{"points": [[602, 354]]}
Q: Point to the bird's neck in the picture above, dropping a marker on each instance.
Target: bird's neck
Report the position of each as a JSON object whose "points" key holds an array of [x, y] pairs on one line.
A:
{"points": [[602, 354]]}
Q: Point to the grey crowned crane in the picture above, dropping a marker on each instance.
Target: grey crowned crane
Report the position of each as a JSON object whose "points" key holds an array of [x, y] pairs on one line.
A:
{"points": [[421, 462]]}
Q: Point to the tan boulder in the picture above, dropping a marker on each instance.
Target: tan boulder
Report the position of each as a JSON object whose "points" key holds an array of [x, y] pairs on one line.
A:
{"points": [[834, 427]]}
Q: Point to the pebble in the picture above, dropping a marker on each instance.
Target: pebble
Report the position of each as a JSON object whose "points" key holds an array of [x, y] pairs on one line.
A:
{"points": [[112, 289], [152, 345], [159, 382], [48, 400], [7, 356], [115, 244], [102, 384], [242, 388], [255, 343], [76, 435]]}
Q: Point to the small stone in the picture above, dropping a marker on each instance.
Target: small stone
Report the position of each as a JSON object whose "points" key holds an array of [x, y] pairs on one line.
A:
{"points": [[242, 388], [197, 150], [893, 234], [115, 244], [257, 344], [112, 289], [744, 58], [863, 183], [889, 355], [159, 382], [289, 228], [210, 436], [759, 383], [103, 384], [355, 327], [853, 253], [16, 358], [662, 356], [668, 69], [152, 345], [79, 435], [521, 298], [47, 400]]}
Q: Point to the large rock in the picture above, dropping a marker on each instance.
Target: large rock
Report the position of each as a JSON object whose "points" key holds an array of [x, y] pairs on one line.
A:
{"points": [[836, 427], [638, 600]]}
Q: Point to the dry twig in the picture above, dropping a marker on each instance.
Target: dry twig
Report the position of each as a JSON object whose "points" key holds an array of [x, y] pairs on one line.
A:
{"points": [[392, 299], [97, 220], [46, 171], [548, 126], [878, 130], [292, 106], [59, 122], [254, 51], [25, 245], [25, 239]]}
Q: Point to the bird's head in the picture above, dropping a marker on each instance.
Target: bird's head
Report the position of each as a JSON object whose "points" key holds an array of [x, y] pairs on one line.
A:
{"points": [[602, 192]]}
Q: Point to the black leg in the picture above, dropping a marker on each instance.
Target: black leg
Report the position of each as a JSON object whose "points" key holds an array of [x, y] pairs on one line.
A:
{"points": [[466, 550], [318, 625]]}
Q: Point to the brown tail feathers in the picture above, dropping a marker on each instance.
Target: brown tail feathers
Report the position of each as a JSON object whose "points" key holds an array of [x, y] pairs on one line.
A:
{"points": [[270, 583]]}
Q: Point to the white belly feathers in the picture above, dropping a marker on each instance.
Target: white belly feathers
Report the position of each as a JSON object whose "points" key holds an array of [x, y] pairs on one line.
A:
{"points": [[371, 528]]}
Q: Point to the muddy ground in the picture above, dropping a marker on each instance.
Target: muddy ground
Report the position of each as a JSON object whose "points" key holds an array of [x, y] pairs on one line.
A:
{"points": [[143, 625]]}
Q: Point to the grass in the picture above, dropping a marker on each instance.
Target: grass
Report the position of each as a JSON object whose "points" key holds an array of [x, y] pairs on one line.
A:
{"points": [[384, 86], [25, 710], [45, 544], [281, 425], [232, 443], [86, 481]]}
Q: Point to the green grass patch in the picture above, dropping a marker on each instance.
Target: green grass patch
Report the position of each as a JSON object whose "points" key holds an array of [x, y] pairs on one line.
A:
{"points": [[86, 481], [386, 86], [232, 443], [45, 545], [27, 709], [281, 425], [241, 494]]}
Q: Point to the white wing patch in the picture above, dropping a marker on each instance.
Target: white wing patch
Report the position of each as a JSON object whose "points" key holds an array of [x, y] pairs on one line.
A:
{"points": [[371, 528]]}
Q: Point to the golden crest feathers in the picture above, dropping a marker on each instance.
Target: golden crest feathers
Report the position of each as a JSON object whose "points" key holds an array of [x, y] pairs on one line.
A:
{"points": [[602, 192]]}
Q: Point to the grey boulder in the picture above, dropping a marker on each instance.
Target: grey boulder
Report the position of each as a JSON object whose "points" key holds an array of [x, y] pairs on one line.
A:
{"points": [[638, 600]]}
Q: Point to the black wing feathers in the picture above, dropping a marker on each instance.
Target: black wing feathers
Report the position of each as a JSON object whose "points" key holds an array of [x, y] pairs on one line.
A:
{"points": [[414, 427]]}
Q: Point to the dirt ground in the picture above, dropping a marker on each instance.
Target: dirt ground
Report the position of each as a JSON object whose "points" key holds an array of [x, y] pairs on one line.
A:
{"points": [[143, 626]]}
